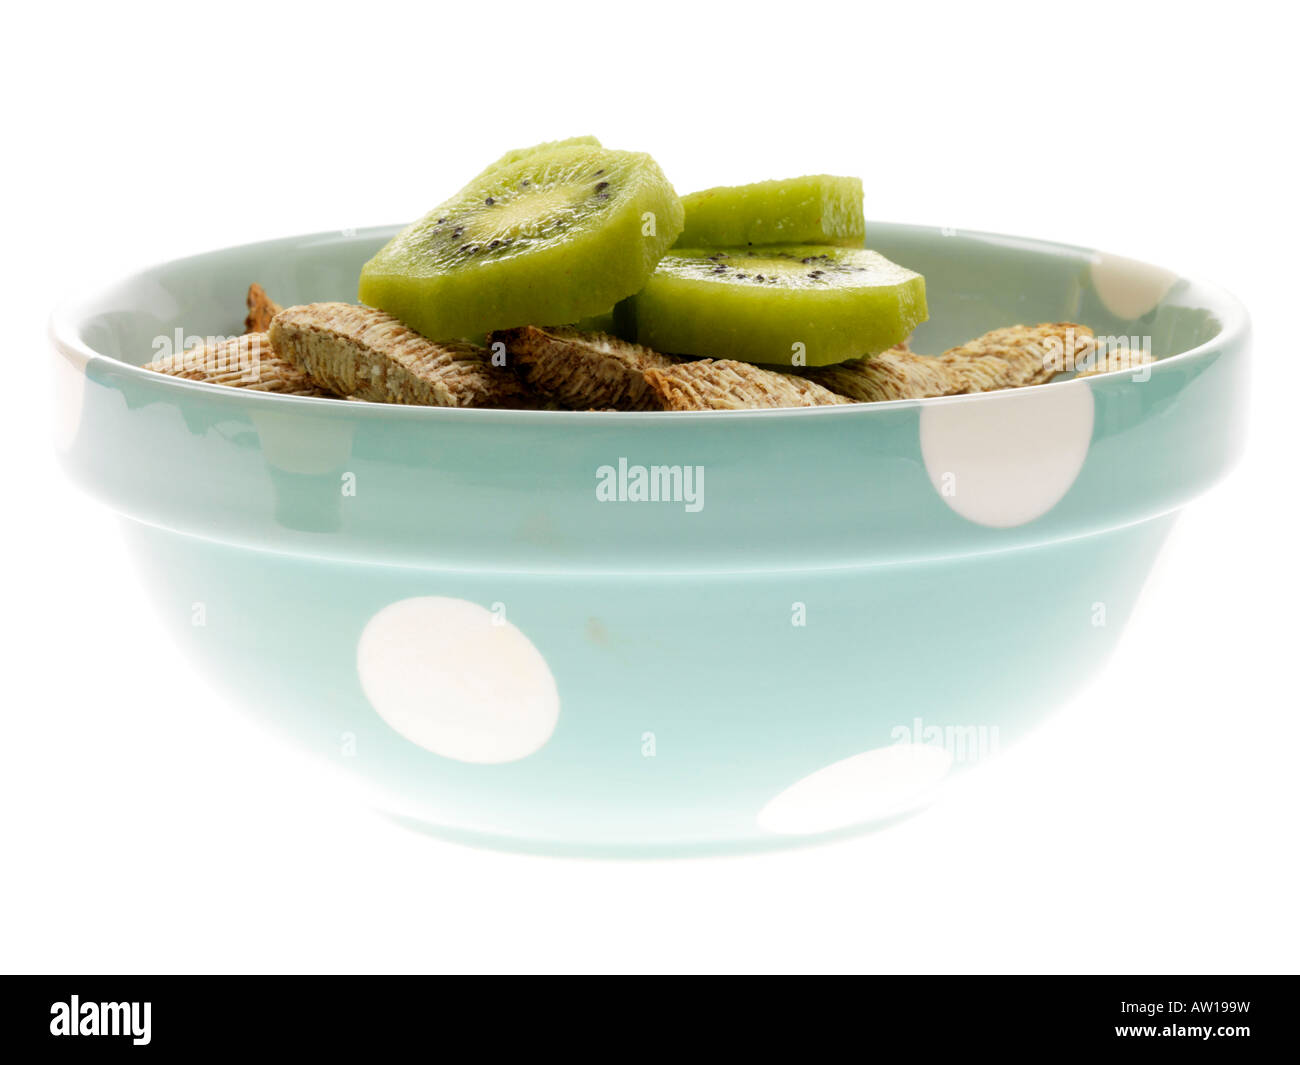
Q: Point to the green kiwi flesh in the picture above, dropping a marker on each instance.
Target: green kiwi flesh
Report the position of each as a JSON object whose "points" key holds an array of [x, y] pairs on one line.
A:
{"points": [[792, 305], [556, 236]]}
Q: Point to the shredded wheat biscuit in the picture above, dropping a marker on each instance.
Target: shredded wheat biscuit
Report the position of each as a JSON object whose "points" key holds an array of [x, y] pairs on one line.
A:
{"points": [[977, 373], [1033, 353], [1115, 360], [893, 374], [240, 362], [584, 370], [728, 385], [261, 309], [362, 352], [1012, 357]]}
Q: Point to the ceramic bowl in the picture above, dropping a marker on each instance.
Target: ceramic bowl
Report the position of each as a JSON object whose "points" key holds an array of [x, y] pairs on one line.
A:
{"points": [[825, 615]]}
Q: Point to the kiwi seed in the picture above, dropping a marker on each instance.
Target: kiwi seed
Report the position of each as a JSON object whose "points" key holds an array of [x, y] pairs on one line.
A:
{"points": [[557, 250]]}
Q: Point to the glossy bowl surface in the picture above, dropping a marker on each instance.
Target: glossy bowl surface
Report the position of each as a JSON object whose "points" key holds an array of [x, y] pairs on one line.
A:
{"points": [[827, 612]]}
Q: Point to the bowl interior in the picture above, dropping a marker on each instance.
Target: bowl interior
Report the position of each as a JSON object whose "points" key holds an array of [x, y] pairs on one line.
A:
{"points": [[974, 281]]}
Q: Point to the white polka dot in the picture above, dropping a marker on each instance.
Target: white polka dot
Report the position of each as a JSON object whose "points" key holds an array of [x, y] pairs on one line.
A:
{"points": [[870, 786], [69, 399], [1129, 288], [458, 680], [1005, 458]]}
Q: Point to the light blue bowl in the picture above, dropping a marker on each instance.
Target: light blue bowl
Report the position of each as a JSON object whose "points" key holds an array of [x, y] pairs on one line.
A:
{"points": [[847, 606]]}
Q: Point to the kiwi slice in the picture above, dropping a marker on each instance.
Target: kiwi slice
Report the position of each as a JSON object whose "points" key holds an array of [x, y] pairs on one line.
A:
{"points": [[516, 154], [785, 305], [596, 323], [818, 209], [556, 236]]}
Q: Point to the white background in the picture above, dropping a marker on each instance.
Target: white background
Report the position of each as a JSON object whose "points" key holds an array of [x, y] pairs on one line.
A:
{"points": [[1151, 826]]}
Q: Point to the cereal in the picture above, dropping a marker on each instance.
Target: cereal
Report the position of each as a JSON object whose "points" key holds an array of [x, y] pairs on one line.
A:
{"points": [[1033, 353], [357, 353], [977, 373], [584, 370], [1012, 357], [261, 309], [1114, 360], [728, 385], [893, 374], [365, 353], [240, 362]]}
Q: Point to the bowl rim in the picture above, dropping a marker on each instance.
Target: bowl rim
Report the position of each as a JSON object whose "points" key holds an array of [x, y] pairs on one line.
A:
{"points": [[70, 314]]}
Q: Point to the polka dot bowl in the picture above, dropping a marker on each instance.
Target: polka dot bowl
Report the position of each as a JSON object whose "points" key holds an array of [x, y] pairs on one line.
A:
{"points": [[656, 633]]}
